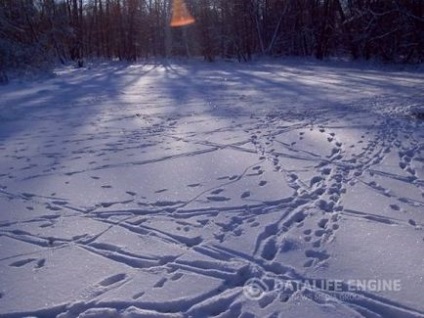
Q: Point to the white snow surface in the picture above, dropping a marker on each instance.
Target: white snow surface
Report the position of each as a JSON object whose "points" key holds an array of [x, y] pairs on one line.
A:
{"points": [[207, 190]]}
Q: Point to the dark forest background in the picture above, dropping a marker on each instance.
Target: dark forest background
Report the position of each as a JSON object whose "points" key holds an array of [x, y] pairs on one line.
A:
{"points": [[40, 32]]}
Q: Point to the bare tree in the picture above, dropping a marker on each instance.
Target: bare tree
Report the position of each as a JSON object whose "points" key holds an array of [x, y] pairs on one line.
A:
{"points": [[35, 32]]}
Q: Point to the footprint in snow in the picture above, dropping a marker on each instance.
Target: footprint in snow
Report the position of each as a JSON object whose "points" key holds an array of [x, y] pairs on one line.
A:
{"points": [[270, 250], [138, 295], [245, 195], [326, 171], [308, 263], [22, 262], [228, 177], [41, 263], [112, 280], [316, 244], [177, 276], [319, 233], [217, 191], [307, 232], [218, 198], [321, 256], [289, 244], [165, 203], [262, 183], [107, 204], [52, 208], [315, 180], [412, 222], [60, 202], [323, 223], [160, 283], [394, 207]]}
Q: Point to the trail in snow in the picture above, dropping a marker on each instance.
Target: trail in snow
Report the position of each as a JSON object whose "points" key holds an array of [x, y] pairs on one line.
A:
{"points": [[152, 191]]}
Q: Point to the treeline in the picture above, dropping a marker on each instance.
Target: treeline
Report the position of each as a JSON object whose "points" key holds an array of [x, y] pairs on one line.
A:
{"points": [[34, 32]]}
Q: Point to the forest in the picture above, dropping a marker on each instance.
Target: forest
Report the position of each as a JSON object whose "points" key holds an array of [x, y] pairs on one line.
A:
{"points": [[35, 33]]}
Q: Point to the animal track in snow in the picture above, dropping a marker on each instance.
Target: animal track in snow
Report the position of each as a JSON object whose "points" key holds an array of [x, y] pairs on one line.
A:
{"points": [[394, 207], [138, 295], [160, 283], [217, 191], [323, 223], [22, 262], [269, 250], [245, 194], [412, 222], [177, 276], [321, 256], [113, 280], [41, 263], [218, 198]]}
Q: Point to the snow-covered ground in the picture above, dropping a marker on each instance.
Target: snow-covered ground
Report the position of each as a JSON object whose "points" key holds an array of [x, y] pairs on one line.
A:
{"points": [[289, 189]]}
